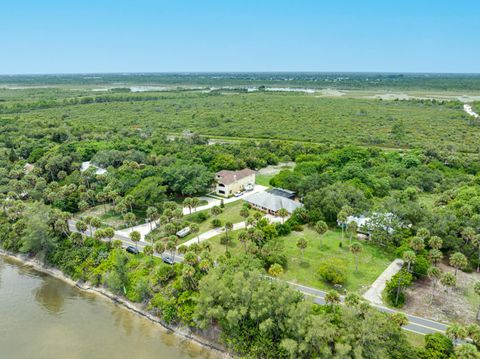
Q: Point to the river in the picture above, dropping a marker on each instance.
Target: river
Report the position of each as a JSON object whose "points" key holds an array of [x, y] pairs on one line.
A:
{"points": [[43, 317]]}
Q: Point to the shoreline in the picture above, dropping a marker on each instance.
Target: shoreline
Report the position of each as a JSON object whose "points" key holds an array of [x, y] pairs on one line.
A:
{"points": [[180, 332]]}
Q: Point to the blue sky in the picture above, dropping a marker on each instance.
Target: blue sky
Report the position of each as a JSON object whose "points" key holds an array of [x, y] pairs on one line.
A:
{"points": [[73, 36]]}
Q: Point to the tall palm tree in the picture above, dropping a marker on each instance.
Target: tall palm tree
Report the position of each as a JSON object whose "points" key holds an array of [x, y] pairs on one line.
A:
{"points": [[282, 213], [356, 248], [409, 257], [135, 237], [458, 261], [434, 274]]}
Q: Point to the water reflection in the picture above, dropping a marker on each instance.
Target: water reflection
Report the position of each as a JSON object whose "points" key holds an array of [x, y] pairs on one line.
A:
{"points": [[51, 296], [43, 318]]}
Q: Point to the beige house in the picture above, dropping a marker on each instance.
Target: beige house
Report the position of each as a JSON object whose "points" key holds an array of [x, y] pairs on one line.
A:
{"points": [[231, 182]]}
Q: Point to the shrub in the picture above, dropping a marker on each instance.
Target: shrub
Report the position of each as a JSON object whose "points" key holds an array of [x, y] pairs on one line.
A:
{"points": [[403, 279], [216, 223], [437, 346], [199, 217], [421, 266], [332, 270]]}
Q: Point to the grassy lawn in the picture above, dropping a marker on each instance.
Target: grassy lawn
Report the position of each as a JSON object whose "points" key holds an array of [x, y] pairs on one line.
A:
{"points": [[231, 213], [263, 179], [415, 339], [372, 260]]}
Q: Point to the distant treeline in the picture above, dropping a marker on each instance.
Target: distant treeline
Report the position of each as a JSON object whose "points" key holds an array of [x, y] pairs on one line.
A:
{"points": [[444, 82]]}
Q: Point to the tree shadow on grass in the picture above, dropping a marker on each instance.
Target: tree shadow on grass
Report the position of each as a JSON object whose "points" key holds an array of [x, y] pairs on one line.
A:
{"points": [[304, 264]]}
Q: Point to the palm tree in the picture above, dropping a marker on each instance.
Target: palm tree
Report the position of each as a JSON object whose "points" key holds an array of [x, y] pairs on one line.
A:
{"points": [[435, 256], [448, 280], [466, 351], [458, 261], [352, 229], [435, 242], [321, 227], [96, 223], [455, 332], [195, 203], [148, 250], [194, 229], [250, 221], [275, 270], [159, 247], [417, 244], [342, 220], [152, 215], [135, 237], [282, 213], [409, 257], [468, 234], [187, 203], [228, 227], [352, 299], [171, 246], [434, 274], [302, 244], [332, 297], [204, 265], [81, 226], [356, 248], [243, 237], [399, 318], [423, 233], [130, 218], [244, 213], [216, 210]]}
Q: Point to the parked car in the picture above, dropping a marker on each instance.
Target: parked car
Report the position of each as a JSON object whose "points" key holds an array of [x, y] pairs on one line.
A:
{"points": [[132, 249], [238, 194], [249, 187], [183, 232], [167, 259]]}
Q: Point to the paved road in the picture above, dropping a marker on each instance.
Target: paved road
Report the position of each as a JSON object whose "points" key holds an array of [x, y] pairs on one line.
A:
{"points": [[416, 324]]}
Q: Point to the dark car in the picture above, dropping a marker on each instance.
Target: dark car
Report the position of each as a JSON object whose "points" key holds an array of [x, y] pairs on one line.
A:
{"points": [[167, 259], [132, 249]]}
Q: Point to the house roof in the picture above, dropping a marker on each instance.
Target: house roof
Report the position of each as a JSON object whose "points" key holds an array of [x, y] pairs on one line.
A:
{"points": [[229, 177], [272, 202], [282, 192], [98, 170]]}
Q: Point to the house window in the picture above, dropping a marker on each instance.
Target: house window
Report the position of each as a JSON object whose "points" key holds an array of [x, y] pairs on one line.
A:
{"points": [[221, 185], [221, 192]]}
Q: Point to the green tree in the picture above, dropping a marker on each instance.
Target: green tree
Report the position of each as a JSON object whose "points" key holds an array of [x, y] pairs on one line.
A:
{"points": [[409, 257], [435, 256], [152, 215], [356, 249], [148, 250], [228, 227], [244, 213], [81, 226], [321, 227], [468, 234], [458, 261], [352, 229], [417, 244], [476, 243], [466, 351], [332, 297], [282, 213], [435, 242], [448, 280], [434, 273], [187, 203], [216, 210], [302, 244], [194, 229], [275, 270], [135, 237]]}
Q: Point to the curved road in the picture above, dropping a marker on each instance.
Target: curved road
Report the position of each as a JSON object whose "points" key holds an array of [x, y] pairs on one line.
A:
{"points": [[416, 324]]}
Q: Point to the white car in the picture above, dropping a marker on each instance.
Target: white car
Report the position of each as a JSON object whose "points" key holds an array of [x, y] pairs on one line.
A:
{"points": [[238, 194]]}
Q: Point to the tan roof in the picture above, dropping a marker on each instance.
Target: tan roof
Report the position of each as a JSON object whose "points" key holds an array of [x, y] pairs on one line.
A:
{"points": [[229, 177]]}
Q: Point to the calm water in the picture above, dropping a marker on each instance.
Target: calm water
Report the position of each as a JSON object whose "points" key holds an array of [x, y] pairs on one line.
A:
{"points": [[42, 317]]}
